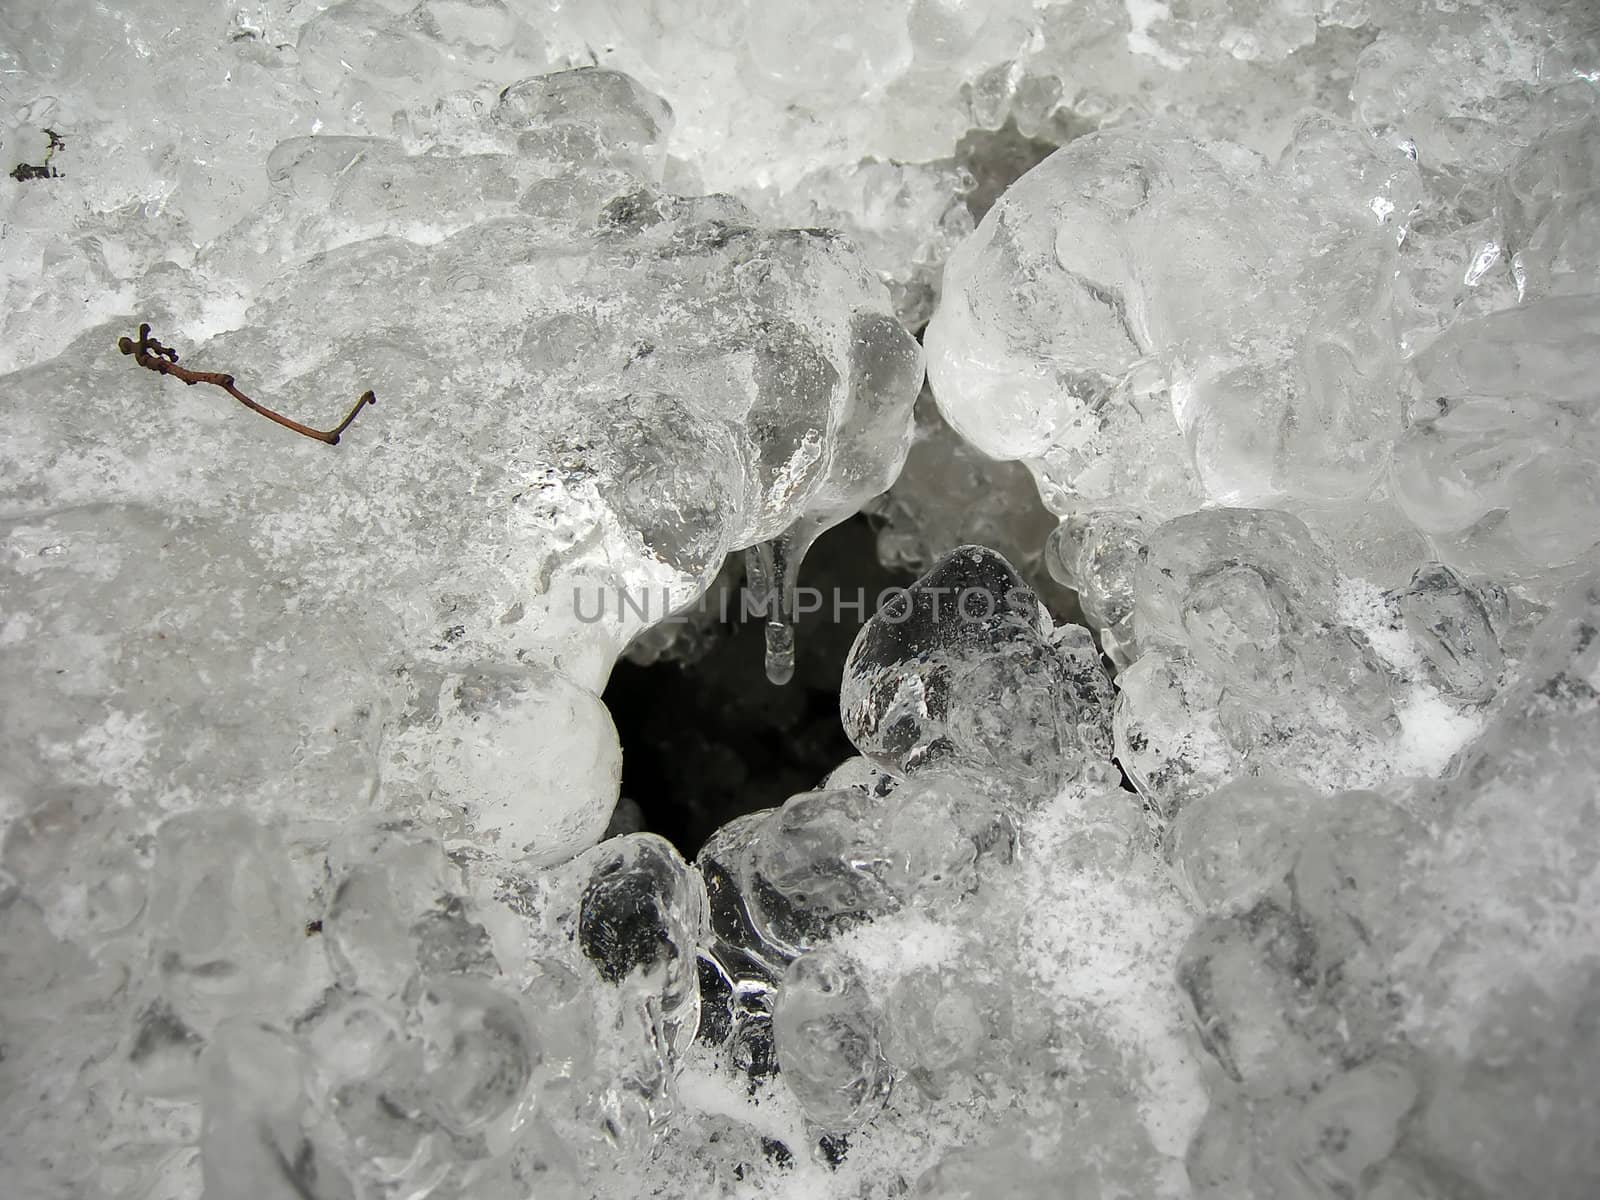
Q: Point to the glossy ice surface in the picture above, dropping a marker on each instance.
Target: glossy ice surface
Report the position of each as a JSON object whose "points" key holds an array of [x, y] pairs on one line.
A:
{"points": [[1222, 812]]}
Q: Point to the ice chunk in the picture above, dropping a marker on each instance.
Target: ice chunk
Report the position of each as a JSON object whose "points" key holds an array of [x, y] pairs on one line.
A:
{"points": [[905, 217], [827, 1045], [963, 671], [1251, 597], [255, 1139], [642, 915], [871, 441], [510, 743], [1463, 102], [476, 1053], [738, 944], [830, 859], [1129, 387], [225, 930], [364, 59], [1287, 990], [1394, 967], [1095, 554], [1452, 622], [1229, 846], [302, 748], [390, 889], [463, 575], [1258, 658], [1498, 467], [1550, 198]]}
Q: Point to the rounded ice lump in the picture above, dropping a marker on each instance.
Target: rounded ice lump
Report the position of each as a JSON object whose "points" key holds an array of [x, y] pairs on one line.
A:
{"points": [[965, 670]]}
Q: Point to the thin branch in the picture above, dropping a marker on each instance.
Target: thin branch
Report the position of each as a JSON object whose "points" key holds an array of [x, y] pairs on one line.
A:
{"points": [[163, 360]]}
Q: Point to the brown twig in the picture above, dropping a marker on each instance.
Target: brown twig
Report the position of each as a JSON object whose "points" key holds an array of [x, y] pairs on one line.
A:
{"points": [[163, 360]]}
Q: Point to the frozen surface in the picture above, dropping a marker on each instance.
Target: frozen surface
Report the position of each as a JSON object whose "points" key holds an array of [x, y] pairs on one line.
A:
{"points": [[1260, 336]]}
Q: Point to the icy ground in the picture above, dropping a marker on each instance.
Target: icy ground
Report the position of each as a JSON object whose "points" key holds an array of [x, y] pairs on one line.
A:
{"points": [[1261, 338]]}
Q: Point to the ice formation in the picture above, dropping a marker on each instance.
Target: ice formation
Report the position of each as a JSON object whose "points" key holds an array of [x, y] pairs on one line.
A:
{"points": [[1220, 819]]}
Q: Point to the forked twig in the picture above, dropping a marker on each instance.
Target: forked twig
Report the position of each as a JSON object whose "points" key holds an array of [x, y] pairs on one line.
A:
{"points": [[163, 360]]}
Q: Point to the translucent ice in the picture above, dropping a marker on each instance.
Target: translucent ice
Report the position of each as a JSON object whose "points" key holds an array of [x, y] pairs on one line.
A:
{"points": [[222, 914], [906, 217], [1147, 319], [966, 671], [831, 859], [303, 754], [1497, 468], [1455, 624], [593, 390], [607, 486], [1399, 967], [827, 1047], [949, 494], [1257, 658], [1096, 553]]}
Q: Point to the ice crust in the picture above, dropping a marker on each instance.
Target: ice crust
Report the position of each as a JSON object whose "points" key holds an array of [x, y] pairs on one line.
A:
{"points": [[1220, 820]]}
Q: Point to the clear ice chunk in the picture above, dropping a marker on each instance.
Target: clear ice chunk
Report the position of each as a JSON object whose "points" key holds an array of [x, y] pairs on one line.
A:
{"points": [[642, 915], [827, 1043], [1498, 469], [831, 859], [1096, 554], [1454, 623], [1077, 334], [224, 922], [965, 671]]}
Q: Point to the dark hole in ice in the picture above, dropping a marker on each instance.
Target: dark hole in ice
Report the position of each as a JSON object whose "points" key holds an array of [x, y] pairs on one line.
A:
{"points": [[705, 741]]}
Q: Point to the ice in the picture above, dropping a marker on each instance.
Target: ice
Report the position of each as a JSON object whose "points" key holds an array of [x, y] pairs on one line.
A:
{"points": [[251, 638], [905, 217], [455, 1018], [1096, 554], [966, 671], [1204, 325], [1549, 205], [1248, 595], [1454, 623], [1495, 469], [954, 997], [1469, 122], [1230, 845], [827, 1047], [226, 928], [363, 58], [252, 1140], [1257, 658], [1133, 383], [1394, 1044], [391, 557], [642, 914], [1260, 339]]}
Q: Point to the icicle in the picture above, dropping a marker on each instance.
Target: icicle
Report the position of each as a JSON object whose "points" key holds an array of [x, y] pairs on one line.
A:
{"points": [[772, 573], [770, 576]]}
